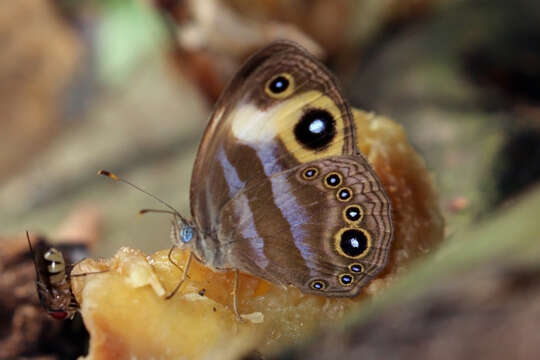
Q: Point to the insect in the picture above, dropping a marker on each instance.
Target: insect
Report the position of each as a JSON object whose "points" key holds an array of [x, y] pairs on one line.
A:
{"points": [[53, 280], [280, 189]]}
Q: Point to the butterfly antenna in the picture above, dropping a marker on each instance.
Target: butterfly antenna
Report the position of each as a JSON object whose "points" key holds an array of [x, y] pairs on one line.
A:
{"points": [[145, 211], [114, 177]]}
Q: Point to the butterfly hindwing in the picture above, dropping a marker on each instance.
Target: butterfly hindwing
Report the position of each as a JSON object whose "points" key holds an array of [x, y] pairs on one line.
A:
{"points": [[289, 228]]}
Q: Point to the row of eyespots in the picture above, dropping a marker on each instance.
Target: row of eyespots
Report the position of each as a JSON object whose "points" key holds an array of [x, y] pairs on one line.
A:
{"points": [[352, 242], [332, 180], [345, 279]]}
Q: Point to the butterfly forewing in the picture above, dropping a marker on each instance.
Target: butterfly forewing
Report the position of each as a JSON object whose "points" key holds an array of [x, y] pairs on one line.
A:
{"points": [[251, 134]]}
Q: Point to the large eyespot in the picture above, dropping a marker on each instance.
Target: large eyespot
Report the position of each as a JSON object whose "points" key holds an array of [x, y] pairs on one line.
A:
{"points": [[280, 86], [316, 129], [353, 213], [346, 279], [353, 243], [318, 285], [344, 194], [332, 180], [310, 173], [356, 268]]}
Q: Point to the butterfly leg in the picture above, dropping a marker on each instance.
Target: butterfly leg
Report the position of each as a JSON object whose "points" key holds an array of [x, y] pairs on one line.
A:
{"points": [[235, 297], [169, 256], [184, 276]]}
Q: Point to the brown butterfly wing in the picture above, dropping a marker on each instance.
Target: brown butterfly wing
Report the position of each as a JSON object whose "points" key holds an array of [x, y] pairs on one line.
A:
{"points": [[249, 136], [252, 209], [289, 228]]}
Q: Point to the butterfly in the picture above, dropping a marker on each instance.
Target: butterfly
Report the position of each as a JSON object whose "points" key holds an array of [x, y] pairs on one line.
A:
{"points": [[279, 187]]}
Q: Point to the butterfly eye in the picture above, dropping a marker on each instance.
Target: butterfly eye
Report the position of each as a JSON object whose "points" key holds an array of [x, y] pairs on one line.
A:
{"points": [[310, 173], [280, 86], [353, 213], [346, 279], [317, 285], [333, 180], [344, 194], [186, 233], [356, 268], [353, 243]]}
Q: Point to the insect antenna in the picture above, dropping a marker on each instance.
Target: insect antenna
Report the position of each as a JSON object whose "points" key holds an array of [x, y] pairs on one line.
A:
{"points": [[146, 211], [33, 253], [172, 211]]}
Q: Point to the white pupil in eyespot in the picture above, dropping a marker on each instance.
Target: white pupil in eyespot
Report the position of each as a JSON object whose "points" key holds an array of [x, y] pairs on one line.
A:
{"points": [[354, 243], [316, 126]]}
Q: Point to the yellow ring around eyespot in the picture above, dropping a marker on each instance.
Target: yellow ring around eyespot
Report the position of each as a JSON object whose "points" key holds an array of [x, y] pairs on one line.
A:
{"points": [[344, 213], [344, 284], [290, 110], [307, 169], [284, 94], [325, 184], [324, 285], [357, 264], [350, 192], [337, 241]]}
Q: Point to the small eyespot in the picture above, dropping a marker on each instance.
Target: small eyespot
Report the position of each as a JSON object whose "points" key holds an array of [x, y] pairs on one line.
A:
{"points": [[344, 194], [346, 279], [356, 268], [310, 173], [353, 243], [280, 86], [353, 213], [318, 285], [333, 180]]}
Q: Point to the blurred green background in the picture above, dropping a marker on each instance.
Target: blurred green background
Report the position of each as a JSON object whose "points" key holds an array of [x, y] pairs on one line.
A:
{"points": [[128, 86]]}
